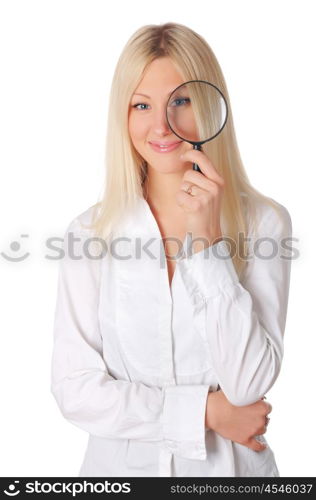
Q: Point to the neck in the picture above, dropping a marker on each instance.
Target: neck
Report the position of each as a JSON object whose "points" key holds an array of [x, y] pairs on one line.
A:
{"points": [[160, 191]]}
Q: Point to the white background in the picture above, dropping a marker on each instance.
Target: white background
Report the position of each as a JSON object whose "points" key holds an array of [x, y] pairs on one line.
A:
{"points": [[57, 61]]}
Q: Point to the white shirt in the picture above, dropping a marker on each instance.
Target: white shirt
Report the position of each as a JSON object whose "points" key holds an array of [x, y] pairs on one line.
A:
{"points": [[133, 360]]}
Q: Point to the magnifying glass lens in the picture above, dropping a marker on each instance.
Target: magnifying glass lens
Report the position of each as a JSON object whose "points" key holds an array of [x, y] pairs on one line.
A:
{"points": [[196, 111]]}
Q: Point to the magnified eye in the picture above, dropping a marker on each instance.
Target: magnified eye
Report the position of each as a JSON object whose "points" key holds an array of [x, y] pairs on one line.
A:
{"points": [[180, 101]]}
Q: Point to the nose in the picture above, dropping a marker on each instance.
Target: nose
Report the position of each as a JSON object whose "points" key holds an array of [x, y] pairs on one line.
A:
{"points": [[160, 124]]}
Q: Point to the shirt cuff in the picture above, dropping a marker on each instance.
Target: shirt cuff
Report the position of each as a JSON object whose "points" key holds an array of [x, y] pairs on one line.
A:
{"points": [[184, 420], [207, 272]]}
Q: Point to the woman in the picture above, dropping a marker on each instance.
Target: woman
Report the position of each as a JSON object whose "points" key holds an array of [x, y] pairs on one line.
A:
{"points": [[165, 359]]}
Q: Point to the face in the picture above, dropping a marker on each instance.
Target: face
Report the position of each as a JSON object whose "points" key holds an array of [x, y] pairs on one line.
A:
{"points": [[147, 119]]}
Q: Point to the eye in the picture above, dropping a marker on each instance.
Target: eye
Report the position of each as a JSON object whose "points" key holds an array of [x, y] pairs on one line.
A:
{"points": [[139, 104], [180, 101]]}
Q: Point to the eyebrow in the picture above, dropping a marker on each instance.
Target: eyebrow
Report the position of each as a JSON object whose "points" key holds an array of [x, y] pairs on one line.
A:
{"points": [[145, 95]]}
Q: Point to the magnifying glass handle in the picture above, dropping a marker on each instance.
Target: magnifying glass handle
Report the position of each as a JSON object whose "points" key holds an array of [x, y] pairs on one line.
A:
{"points": [[195, 165]]}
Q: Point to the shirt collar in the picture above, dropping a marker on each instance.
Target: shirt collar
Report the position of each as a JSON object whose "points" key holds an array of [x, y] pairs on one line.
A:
{"points": [[140, 222]]}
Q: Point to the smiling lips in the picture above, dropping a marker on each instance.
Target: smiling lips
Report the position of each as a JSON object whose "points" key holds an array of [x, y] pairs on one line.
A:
{"points": [[164, 147]]}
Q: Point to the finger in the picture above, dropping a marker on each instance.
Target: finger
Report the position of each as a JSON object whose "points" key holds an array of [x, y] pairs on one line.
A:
{"points": [[200, 180], [269, 408], [204, 163], [256, 445], [263, 429], [195, 190], [187, 201]]}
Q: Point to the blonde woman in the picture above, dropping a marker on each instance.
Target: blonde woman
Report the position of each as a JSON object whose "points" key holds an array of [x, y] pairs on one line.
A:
{"points": [[162, 354]]}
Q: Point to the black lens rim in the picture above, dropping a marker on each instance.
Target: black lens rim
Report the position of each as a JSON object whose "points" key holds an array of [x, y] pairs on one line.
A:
{"points": [[210, 138]]}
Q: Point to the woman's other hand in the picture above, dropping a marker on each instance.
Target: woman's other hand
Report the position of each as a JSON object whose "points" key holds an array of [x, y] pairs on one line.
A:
{"points": [[237, 423]]}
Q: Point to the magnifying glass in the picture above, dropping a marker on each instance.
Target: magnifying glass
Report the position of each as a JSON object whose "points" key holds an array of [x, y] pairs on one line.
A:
{"points": [[196, 112]]}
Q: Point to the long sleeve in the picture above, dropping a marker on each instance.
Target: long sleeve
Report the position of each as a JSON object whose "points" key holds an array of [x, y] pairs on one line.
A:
{"points": [[243, 321], [87, 395]]}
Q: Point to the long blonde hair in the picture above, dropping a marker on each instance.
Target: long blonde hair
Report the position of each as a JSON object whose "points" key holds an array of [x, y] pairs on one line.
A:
{"points": [[126, 169]]}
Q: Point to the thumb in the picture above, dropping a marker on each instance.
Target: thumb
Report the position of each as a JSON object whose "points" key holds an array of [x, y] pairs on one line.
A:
{"points": [[257, 445]]}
